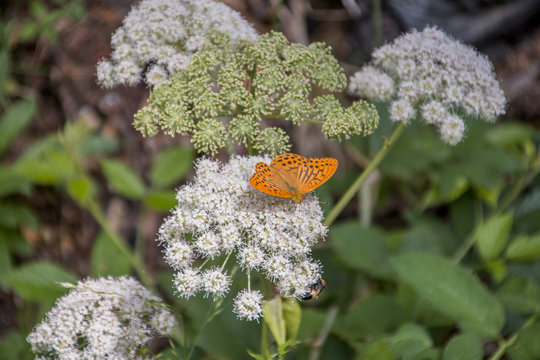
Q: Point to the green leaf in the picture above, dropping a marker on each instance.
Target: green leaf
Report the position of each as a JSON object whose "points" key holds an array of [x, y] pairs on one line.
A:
{"points": [[14, 121], [361, 248], [161, 200], [14, 346], [464, 347], [526, 346], [378, 349], [524, 248], [38, 281], [107, 259], [122, 179], [491, 237], [409, 342], [11, 182], [371, 317], [452, 290], [170, 166], [81, 189], [13, 215], [510, 134], [292, 313], [520, 294], [273, 317], [49, 167]]}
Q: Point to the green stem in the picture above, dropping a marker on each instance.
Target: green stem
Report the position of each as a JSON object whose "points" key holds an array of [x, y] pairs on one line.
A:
{"points": [[505, 344], [316, 347], [136, 262], [334, 213], [377, 21]]}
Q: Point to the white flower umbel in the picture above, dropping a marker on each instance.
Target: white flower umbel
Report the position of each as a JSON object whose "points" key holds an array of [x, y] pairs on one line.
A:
{"points": [[434, 73], [220, 216], [248, 305], [101, 319], [165, 34]]}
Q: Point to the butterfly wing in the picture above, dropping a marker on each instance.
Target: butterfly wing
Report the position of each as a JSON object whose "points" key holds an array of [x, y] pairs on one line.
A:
{"points": [[287, 167], [314, 173], [269, 181]]}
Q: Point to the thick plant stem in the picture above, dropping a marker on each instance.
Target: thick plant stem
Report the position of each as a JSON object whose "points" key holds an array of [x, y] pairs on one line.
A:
{"points": [[346, 198], [135, 261]]}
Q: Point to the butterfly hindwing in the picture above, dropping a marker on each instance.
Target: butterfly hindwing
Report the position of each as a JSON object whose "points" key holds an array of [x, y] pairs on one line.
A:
{"points": [[315, 172], [267, 181]]}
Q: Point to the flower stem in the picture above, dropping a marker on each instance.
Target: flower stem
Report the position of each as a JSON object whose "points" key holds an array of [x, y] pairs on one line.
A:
{"points": [[135, 261], [323, 334], [338, 208], [505, 344]]}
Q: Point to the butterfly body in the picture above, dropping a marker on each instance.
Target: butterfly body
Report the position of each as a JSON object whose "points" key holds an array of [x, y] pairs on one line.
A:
{"points": [[291, 175]]}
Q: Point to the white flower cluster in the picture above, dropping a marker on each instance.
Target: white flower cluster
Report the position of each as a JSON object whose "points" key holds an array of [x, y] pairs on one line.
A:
{"points": [[219, 214], [101, 319], [160, 36], [436, 74]]}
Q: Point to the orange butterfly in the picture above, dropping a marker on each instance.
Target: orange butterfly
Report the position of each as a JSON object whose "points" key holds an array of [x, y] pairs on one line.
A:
{"points": [[291, 175]]}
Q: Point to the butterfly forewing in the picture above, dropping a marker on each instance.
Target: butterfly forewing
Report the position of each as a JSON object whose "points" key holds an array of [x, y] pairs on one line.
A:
{"points": [[268, 181], [287, 167], [314, 173]]}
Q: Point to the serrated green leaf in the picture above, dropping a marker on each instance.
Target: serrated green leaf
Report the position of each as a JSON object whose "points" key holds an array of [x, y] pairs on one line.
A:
{"points": [[273, 318], [452, 290], [170, 166], [492, 236], [38, 281], [14, 121], [524, 248], [122, 179], [361, 248], [292, 314], [161, 200], [520, 294], [107, 259], [464, 347]]}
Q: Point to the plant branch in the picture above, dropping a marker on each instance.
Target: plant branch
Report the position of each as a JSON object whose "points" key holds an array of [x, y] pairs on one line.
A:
{"points": [[346, 198]]}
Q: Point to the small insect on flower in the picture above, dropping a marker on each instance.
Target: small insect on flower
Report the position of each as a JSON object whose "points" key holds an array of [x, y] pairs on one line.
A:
{"points": [[291, 175], [315, 290]]}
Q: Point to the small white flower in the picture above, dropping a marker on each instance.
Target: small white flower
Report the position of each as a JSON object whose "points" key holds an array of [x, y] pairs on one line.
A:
{"points": [[101, 319], [438, 73], [452, 129], [155, 75], [179, 255], [434, 112], [208, 244], [215, 282], [250, 257], [187, 282], [372, 84], [248, 305], [402, 110], [167, 33]]}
